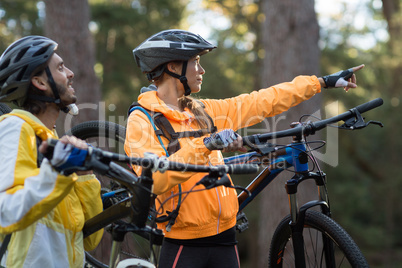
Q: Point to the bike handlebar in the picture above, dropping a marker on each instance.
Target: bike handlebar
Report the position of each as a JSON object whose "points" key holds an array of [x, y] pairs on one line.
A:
{"points": [[312, 127], [154, 162]]}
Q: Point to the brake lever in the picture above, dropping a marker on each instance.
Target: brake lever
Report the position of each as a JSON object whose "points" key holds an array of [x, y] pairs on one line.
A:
{"points": [[357, 122], [375, 123], [211, 180], [263, 148], [95, 162]]}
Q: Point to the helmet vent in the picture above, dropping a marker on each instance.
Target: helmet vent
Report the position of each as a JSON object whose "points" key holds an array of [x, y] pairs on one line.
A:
{"points": [[2, 82], [5, 64], [21, 54], [192, 40], [37, 42], [21, 74], [41, 51]]}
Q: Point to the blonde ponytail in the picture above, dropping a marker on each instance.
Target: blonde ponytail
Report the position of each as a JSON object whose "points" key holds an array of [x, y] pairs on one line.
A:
{"points": [[196, 107]]}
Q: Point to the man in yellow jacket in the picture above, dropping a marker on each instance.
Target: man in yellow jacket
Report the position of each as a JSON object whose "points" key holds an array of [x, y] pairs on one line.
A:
{"points": [[203, 234], [43, 207]]}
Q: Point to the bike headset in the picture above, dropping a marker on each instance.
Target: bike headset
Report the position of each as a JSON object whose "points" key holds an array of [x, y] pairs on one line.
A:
{"points": [[153, 54], [20, 62]]}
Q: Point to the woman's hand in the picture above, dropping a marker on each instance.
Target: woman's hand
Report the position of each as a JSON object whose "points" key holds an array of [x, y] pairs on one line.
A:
{"points": [[236, 145], [344, 78], [226, 140]]}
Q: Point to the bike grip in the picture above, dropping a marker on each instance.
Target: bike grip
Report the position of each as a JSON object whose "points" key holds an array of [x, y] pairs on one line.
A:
{"points": [[242, 168], [52, 142], [369, 105], [50, 148]]}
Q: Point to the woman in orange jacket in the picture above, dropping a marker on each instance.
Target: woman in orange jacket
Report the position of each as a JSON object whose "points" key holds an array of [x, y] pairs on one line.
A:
{"points": [[203, 233]]}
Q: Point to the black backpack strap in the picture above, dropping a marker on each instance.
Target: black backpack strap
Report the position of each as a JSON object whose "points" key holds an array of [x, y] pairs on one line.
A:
{"points": [[40, 156], [134, 104], [4, 245], [166, 130], [152, 114], [164, 125]]}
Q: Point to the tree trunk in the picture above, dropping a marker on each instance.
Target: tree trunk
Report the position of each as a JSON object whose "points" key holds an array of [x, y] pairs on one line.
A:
{"points": [[290, 36], [67, 23], [393, 15]]}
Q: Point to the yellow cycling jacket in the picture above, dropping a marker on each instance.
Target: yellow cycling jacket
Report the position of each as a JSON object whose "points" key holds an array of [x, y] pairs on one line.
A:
{"points": [[44, 211], [213, 211]]}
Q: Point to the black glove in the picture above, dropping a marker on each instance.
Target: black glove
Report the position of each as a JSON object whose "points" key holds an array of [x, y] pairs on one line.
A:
{"points": [[339, 79]]}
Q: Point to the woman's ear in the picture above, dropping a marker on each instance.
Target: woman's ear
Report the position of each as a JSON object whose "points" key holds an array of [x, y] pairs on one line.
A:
{"points": [[39, 82], [174, 67]]}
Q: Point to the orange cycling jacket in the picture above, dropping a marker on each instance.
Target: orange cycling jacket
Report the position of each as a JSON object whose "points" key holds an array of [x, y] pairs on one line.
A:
{"points": [[209, 212]]}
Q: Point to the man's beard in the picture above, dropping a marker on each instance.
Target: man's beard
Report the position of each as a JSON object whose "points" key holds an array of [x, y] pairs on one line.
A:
{"points": [[63, 92]]}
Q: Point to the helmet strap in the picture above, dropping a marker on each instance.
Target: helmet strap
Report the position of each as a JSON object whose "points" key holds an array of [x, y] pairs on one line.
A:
{"points": [[41, 98], [56, 94], [182, 78]]}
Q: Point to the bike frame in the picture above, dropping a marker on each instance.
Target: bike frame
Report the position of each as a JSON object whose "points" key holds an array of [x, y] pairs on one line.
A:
{"points": [[281, 158], [123, 209], [275, 159]]}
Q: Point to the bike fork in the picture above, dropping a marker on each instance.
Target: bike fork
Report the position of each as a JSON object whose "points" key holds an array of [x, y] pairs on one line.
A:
{"points": [[298, 217]]}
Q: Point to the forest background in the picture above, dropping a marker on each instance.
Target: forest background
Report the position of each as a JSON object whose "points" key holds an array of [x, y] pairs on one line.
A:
{"points": [[260, 43]]}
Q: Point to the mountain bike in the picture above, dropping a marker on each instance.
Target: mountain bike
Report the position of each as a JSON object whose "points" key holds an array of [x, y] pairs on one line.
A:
{"points": [[138, 197], [308, 236]]}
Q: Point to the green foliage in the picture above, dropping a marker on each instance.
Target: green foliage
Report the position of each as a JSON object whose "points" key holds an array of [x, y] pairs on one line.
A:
{"points": [[120, 27], [18, 18], [365, 185], [232, 68]]}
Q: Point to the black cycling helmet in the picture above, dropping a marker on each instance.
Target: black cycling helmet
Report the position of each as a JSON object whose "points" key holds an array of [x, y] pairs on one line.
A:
{"points": [[19, 63], [167, 46]]}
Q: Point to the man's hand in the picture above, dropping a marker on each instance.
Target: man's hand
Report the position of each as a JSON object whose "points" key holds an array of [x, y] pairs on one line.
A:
{"points": [[68, 153]]}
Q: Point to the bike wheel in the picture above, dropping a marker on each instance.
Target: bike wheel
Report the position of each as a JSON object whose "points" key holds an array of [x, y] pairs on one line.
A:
{"points": [[104, 135], [4, 109], [317, 228], [110, 136]]}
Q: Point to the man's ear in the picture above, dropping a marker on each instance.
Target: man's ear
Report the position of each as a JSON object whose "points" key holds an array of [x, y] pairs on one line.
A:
{"points": [[39, 82]]}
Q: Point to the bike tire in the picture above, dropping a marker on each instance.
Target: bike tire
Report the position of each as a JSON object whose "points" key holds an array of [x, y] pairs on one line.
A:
{"points": [[4, 109], [95, 129], [110, 136], [317, 225]]}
